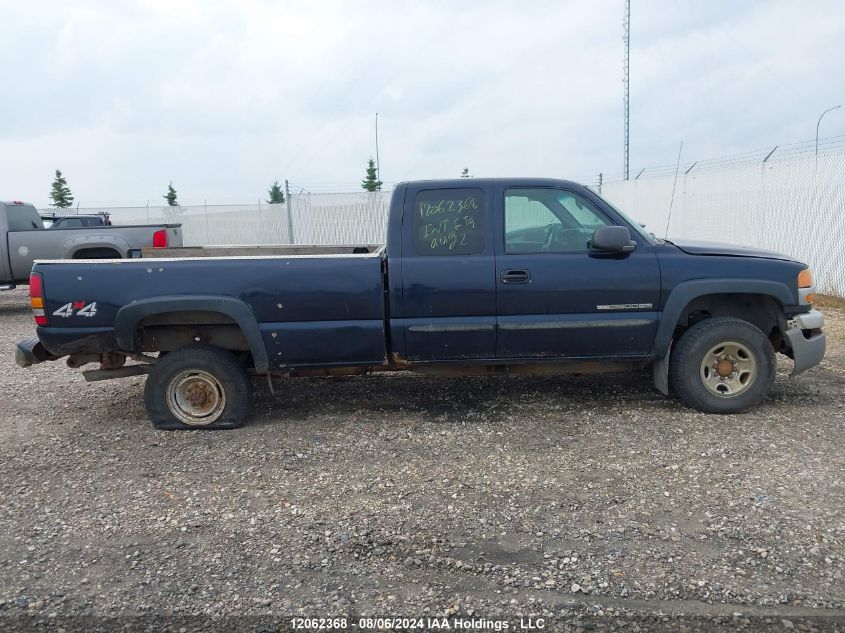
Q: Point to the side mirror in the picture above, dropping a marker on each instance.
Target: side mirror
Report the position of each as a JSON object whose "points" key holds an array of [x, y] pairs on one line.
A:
{"points": [[612, 239]]}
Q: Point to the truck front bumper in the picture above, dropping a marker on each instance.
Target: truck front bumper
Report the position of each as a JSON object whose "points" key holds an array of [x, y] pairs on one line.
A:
{"points": [[806, 340], [29, 351]]}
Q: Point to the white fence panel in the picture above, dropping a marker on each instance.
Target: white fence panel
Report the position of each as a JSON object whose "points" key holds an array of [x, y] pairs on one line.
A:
{"points": [[309, 218], [340, 218], [788, 205]]}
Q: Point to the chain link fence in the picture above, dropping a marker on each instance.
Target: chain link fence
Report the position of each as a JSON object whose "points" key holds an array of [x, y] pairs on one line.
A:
{"points": [[305, 218], [788, 200]]}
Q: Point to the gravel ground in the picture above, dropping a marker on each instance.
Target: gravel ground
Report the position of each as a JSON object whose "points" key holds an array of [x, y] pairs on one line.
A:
{"points": [[591, 502]]}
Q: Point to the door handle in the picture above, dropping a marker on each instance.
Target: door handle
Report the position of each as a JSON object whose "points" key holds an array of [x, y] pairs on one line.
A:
{"points": [[515, 277]]}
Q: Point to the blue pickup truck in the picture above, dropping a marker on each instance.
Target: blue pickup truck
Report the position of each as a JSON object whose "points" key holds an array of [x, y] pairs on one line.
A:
{"points": [[481, 276]]}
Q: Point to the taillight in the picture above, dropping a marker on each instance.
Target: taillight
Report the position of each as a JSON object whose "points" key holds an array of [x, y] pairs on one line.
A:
{"points": [[160, 239], [36, 298]]}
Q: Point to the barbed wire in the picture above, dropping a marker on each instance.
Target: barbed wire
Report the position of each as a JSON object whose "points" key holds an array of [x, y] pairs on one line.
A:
{"points": [[777, 152]]}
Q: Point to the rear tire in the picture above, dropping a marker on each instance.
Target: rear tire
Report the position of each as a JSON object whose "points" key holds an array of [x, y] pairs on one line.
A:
{"points": [[197, 387], [722, 365]]}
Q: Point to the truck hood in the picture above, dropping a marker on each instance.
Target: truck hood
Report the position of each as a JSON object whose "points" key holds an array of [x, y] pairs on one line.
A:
{"points": [[726, 250]]}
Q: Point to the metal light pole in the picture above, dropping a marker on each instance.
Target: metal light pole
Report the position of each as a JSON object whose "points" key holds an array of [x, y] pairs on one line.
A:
{"points": [[817, 131], [378, 165]]}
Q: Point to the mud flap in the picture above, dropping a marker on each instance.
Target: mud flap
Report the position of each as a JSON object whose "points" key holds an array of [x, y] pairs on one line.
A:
{"points": [[661, 372]]}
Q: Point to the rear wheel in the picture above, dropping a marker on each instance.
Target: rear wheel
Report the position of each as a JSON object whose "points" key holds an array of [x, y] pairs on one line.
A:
{"points": [[197, 387], [722, 365]]}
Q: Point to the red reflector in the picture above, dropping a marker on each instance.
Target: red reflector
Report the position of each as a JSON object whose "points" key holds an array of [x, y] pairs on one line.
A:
{"points": [[41, 320], [16, 202], [160, 239], [35, 287]]}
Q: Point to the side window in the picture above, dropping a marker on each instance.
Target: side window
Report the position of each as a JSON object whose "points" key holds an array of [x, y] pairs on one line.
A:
{"points": [[23, 217], [71, 223], [549, 221], [449, 222]]}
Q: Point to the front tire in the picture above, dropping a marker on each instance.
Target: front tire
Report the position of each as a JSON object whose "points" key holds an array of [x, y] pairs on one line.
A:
{"points": [[197, 387], [722, 365]]}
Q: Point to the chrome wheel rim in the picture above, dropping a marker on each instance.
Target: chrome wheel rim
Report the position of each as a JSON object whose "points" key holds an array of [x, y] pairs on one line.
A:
{"points": [[196, 397], [728, 369]]}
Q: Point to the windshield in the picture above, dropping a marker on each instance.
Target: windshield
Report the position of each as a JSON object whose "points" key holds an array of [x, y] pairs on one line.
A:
{"points": [[639, 228]]}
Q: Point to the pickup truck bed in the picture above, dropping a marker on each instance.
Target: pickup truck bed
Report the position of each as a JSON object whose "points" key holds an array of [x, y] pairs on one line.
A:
{"points": [[283, 292], [504, 275]]}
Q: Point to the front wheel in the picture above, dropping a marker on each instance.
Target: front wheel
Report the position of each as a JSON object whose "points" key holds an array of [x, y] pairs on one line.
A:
{"points": [[197, 387], [722, 365]]}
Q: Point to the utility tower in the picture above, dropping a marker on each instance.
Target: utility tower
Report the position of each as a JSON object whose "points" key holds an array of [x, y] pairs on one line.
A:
{"points": [[626, 80]]}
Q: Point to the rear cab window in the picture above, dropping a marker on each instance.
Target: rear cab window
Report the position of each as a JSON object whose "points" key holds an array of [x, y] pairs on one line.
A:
{"points": [[450, 222]]}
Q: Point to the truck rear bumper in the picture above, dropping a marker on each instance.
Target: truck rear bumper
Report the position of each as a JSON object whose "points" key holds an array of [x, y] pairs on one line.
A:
{"points": [[29, 351], [806, 340], [63, 341]]}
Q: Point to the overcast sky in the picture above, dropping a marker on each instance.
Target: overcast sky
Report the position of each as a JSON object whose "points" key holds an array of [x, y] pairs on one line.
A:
{"points": [[224, 97]]}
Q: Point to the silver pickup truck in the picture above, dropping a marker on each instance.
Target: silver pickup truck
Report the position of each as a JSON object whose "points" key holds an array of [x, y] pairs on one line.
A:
{"points": [[23, 239]]}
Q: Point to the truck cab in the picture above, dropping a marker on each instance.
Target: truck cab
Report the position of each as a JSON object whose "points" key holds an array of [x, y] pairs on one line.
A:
{"points": [[507, 270], [15, 216]]}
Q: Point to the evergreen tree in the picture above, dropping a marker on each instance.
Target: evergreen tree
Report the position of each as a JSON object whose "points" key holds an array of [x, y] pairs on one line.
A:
{"points": [[277, 196], [170, 196], [371, 181], [60, 192], [465, 173]]}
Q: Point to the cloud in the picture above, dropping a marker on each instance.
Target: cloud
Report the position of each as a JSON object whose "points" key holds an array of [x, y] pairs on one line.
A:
{"points": [[224, 97]]}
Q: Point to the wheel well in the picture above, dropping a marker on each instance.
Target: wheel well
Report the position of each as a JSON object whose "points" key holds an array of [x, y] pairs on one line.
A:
{"points": [[168, 331], [97, 253], [762, 311]]}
